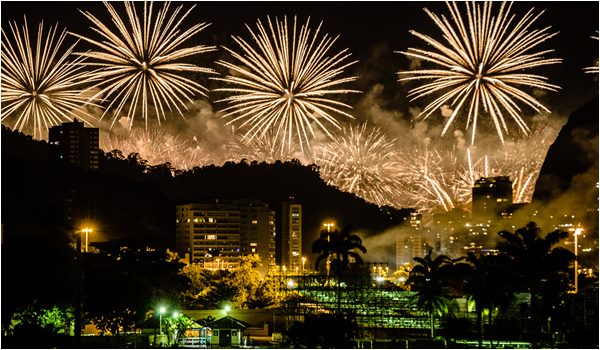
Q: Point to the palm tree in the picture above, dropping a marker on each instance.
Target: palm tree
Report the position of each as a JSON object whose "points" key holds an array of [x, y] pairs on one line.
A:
{"points": [[340, 247], [429, 279], [540, 267], [488, 285]]}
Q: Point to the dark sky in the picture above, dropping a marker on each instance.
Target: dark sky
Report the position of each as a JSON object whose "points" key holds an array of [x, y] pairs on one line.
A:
{"points": [[371, 30]]}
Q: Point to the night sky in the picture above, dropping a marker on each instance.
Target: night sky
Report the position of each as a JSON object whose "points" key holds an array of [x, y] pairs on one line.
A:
{"points": [[372, 31]]}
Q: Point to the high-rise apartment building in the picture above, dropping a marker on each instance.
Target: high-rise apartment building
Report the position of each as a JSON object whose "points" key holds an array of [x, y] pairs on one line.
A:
{"points": [[291, 235], [75, 144], [216, 234], [491, 196], [409, 240], [210, 233], [257, 232]]}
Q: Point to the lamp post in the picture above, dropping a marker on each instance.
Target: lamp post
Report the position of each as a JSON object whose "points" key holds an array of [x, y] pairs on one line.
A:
{"points": [[329, 225], [161, 311], [175, 316], [575, 234], [303, 262], [87, 231]]}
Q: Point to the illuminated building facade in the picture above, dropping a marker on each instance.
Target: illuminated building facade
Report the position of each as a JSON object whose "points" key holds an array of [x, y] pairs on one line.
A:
{"points": [[210, 232], [409, 240], [75, 144], [291, 234], [491, 197], [257, 232], [217, 234]]}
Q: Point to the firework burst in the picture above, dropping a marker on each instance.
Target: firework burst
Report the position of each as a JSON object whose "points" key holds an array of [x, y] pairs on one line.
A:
{"points": [[264, 149], [282, 87], [196, 155], [481, 64], [362, 161], [155, 146], [40, 86], [429, 180], [139, 63]]}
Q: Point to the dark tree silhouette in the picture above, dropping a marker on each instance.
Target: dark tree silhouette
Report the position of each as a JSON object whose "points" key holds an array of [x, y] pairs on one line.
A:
{"points": [[429, 278], [339, 246], [488, 284], [540, 268]]}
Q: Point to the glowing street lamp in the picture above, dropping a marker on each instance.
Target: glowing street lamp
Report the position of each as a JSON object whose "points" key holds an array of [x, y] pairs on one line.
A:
{"points": [[303, 262], [329, 226], [87, 231], [175, 316], [577, 232], [161, 311]]}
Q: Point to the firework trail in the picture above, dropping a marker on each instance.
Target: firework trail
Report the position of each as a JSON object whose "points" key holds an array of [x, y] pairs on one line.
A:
{"points": [[155, 146], [196, 154], [520, 160], [362, 161], [282, 88], [429, 184], [139, 63], [40, 86], [593, 69], [265, 149], [481, 64]]}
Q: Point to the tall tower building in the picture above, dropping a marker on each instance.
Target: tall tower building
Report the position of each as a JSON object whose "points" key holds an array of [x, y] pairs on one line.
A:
{"points": [[409, 240], [491, 196], [291, 235], [257, 232], [75, 144]]}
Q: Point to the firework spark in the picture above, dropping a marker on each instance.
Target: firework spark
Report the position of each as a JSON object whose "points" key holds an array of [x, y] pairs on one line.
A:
{"points": [[593, 69], [362, 161], [195, 155], [481, 65], [140, 62], [283, 86], [265, 149], [40, 86], [429, 183], [155, 146]]}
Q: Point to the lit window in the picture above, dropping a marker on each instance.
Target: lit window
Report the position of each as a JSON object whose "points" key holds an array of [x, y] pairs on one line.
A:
{"points": [[177, 221], [188, 220], [211, 237], [195, 219], [253, 244], [255, 222], [253, 250], [211, 220]]}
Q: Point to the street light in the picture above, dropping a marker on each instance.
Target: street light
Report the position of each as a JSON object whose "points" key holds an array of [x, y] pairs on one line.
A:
{"points": [[161, 311], [87, 230], [175, 316], [577, 232], [329, 225], [303, 262]]}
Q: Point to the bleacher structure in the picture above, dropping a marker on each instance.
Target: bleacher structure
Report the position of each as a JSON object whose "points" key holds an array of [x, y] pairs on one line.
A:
{"points": [[374, 305]]}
